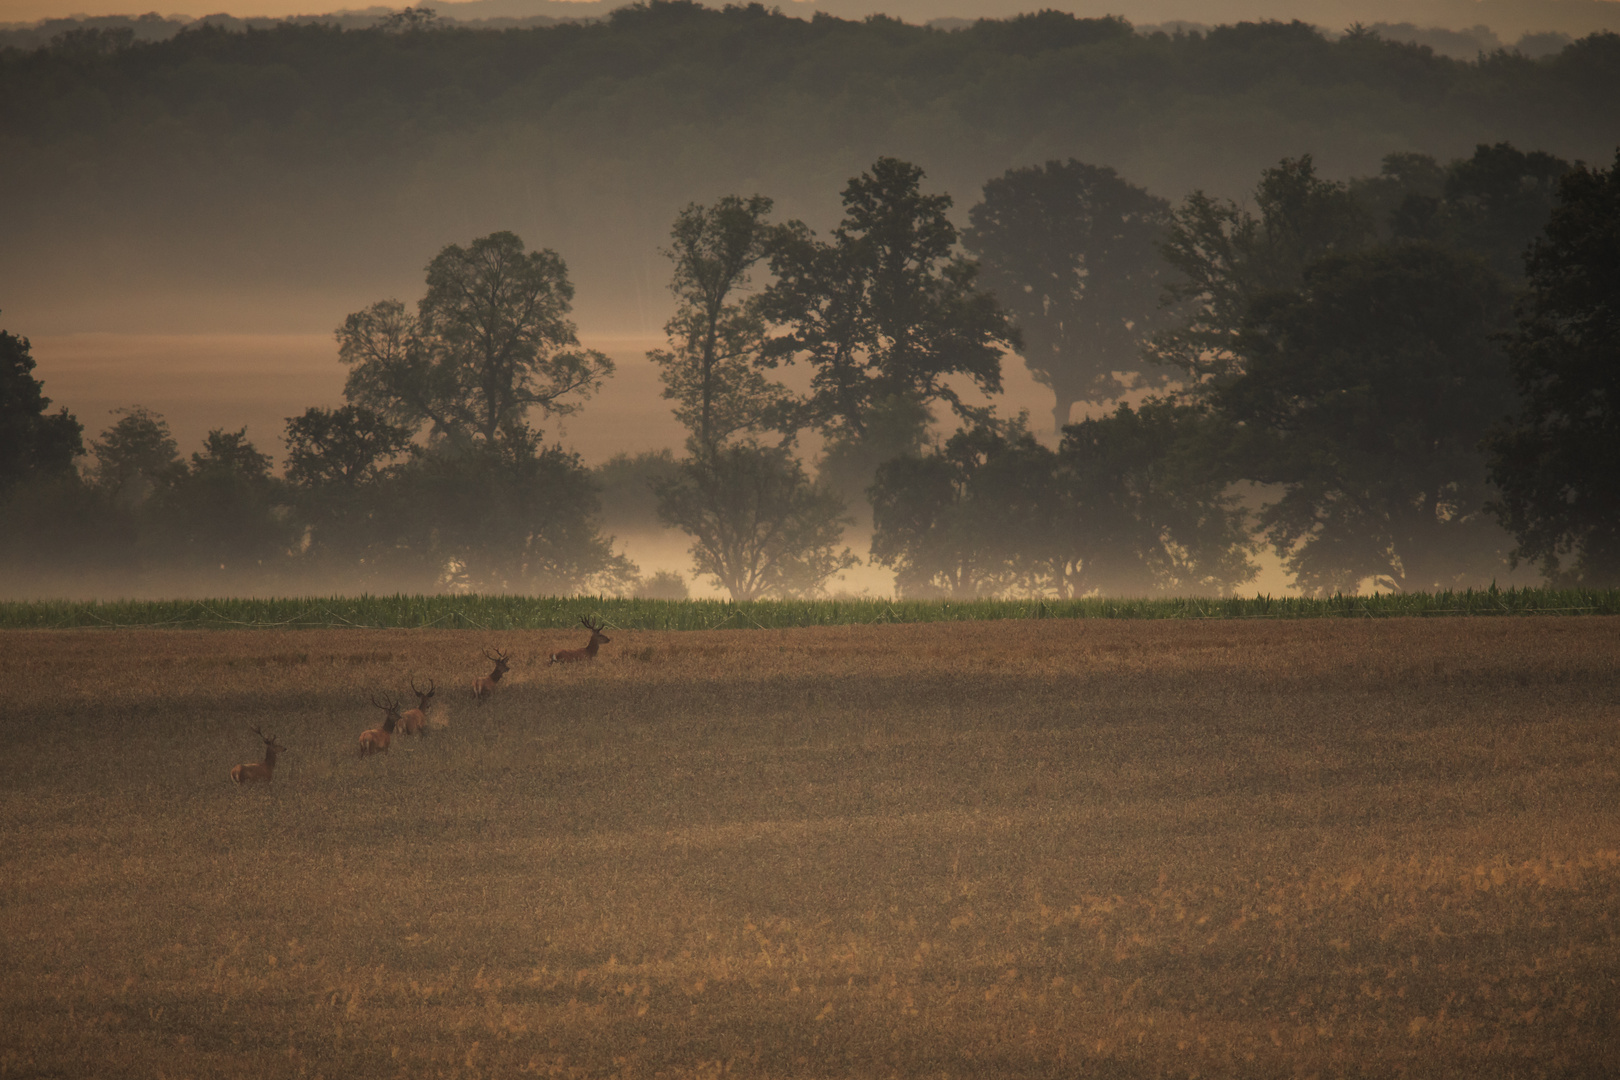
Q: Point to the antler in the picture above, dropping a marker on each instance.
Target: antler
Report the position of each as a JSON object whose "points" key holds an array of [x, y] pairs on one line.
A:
{"points": [[417, 692], [499, 655], [385, 708], [269, 740], [596, 629]]}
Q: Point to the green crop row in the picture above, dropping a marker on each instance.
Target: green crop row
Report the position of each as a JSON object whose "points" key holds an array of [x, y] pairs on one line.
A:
{"points": [[547, 612]]}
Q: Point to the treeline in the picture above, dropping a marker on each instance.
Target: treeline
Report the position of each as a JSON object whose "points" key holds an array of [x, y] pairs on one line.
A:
{"points": [[335, 155], [1413, 377]]}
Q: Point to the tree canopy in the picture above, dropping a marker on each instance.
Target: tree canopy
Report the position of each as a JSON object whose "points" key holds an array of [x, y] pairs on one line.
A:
{"points": [[1072, 251], [1554, 462], [490, 342]]}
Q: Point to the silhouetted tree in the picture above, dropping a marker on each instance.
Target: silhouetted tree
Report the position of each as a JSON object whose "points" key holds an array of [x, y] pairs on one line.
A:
{"points": [[711, 368], [1497, 202], [1072, 251], [1226, 258], [1554, 463], [983, 515], [223, 511], [1152, 506], [1132, 503], [33, 444], [504, 516], [760, 527], [490, 342], [1365, 394], [885, 313], [342, 473], [135, 456]]}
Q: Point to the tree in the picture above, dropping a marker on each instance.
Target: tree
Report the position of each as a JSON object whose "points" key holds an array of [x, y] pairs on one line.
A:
{"points": [[53, 529], [135, 456], [1226, 258], [1365, 394], [341, 448], [341, 470], [760, 527], [886, 313], [1071, 251], [1131, 503], [1497, 202], [710, 370], [489, 343], [1552, 464], [507, 516], [983, 515], [224, 510], [32, 443], [1152, 507]]}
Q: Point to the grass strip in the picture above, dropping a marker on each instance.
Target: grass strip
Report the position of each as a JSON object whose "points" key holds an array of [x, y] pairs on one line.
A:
{"points": [[511, 612]]}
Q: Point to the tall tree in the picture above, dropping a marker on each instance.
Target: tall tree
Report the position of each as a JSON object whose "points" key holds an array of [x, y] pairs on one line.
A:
{"points": [[32, 442], [1072, 251], [1553, 464], [1365, 394], [1226, 258], [490, 342], [886, 313], [758, 524], [710, 369]]}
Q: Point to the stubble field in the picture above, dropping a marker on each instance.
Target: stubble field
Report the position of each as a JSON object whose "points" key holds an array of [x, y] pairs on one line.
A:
{"points": [[1087, 848]]}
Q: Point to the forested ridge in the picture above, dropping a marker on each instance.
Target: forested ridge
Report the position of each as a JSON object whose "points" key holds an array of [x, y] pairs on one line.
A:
{"points": [[332, 156]]}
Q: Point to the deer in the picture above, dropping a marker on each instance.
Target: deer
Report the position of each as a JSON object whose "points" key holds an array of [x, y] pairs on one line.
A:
{"points": [[484, 685], [570, 656], [414, 721], [377, 739], [252, 772]]}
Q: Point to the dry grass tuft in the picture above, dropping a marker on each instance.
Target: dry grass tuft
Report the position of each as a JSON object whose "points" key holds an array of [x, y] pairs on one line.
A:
{"points": [[1011, 849]]}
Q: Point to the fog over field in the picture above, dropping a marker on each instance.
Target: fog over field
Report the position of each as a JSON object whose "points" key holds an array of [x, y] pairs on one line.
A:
{"points": [[193, 210]]}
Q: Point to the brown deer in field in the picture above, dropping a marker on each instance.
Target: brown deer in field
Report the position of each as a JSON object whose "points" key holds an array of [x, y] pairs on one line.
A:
{"points": [[254, 771], [377, 739], [484, 685], [570, 656], [414, 721]]}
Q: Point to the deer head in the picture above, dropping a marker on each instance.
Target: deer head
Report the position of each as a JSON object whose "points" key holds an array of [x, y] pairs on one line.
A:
{"points": [[390, 710]]}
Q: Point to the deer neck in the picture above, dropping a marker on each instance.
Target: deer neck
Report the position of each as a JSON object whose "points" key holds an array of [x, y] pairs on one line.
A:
{"points": [[269, 757]]}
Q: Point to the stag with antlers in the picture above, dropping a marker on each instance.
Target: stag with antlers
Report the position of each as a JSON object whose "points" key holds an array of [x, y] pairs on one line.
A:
{"points": [[598, 639], [484, 685], [414, 721], [377, 739], [253, 772]]}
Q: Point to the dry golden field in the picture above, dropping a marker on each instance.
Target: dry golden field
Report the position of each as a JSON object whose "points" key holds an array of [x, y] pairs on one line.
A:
{"points": [[1113, 849]]}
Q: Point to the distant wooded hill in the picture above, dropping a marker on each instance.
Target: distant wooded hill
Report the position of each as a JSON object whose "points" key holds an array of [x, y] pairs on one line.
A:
{"points": [[310, 160]]}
